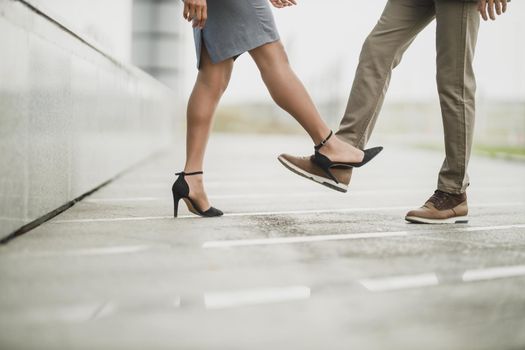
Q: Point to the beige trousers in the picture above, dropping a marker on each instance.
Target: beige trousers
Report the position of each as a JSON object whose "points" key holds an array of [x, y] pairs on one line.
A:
{"points": [[456, 36]]}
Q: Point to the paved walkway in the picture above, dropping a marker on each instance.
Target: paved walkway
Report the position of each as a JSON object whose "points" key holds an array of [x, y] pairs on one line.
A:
{"points": [[291, 265]]}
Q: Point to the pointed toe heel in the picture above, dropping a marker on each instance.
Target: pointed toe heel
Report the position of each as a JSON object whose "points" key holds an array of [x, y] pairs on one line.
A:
{"points": [[369, 155], [326, 163], [213, 212]]}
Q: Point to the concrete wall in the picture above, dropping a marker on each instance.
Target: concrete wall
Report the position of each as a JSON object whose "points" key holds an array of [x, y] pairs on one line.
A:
{"points": [[71, 116]]}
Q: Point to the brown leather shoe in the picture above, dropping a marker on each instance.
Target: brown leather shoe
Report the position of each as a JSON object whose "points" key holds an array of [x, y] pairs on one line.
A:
{"points": [[441, 208], [304, 167]]}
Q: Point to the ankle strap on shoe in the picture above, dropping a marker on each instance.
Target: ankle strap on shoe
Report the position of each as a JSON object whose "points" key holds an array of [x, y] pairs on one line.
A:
{"points": [[322, 143], [189, 174]]}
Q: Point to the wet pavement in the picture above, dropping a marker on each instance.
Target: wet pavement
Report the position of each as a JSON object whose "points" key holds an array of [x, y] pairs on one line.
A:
{"points": [[292, 265]]}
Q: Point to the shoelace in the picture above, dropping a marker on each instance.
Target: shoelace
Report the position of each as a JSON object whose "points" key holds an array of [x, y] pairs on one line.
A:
{"points": [[438, 198]]}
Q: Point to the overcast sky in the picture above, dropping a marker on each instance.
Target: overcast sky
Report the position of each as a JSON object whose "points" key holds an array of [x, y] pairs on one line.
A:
{"points": [[324, 38]]}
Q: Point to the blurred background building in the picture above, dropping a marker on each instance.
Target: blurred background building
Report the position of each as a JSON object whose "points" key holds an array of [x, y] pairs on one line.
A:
{"points": [[144, 32], [157, 39]]}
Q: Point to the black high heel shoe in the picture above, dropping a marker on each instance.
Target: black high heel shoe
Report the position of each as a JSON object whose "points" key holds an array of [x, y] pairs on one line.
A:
{"points": [[181, 190], [326, 164]]}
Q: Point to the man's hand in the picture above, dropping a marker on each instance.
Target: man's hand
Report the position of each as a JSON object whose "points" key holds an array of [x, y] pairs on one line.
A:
{"points": [[283, 3], [196, 11], [489, 8]]}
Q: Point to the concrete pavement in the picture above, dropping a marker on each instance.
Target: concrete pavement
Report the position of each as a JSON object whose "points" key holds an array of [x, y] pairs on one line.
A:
{"points": [[292, 265]]}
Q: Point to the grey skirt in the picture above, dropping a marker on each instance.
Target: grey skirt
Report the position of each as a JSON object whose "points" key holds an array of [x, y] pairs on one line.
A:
{"points": [[234, 27]]}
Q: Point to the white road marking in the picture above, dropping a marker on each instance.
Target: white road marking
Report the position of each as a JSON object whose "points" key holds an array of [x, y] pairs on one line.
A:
{"points": [[109, 250], [430, 279], [502, 227], [239, 182], [141, 185], [220, 196], [493, 273], [399, 282], [5, 218], [339, 237], [300, 239], [85, 252], [347, 210], [272, 213], [265, 213], [104, 310], [130, 199], [243, 182], [129, 218], [327, 193], [63, 313], [210, 184], [314, 211], [221, 300], [177, 301]]}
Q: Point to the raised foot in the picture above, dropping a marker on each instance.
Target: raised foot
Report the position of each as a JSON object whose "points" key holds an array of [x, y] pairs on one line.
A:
{"points": [[341, 152], [305, 167]]}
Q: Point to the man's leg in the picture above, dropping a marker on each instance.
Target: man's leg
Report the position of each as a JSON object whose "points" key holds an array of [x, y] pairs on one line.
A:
{"points": [[382, 51], [399, 24], [456, 36]]}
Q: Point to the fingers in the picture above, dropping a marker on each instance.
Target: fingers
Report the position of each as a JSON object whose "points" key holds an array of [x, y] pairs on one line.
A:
{"points": [[492, 8], [482, 8], [492, 14], [283, 3], [203, 17], [276, 3], [189, 10], [199, 18], [497, 5], [196, 11], [186, 11], [503, 6]]}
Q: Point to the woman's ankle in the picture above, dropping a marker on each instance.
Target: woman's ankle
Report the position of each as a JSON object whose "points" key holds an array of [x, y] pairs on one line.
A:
{"points": [[335, 144], [340, 150]]}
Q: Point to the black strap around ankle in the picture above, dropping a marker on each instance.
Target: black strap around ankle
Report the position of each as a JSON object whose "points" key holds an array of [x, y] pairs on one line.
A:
{"points": [[189, 174], [318, 147]]}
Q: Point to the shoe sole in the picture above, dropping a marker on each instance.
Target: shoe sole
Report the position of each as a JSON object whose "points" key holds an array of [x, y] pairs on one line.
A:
{"points": [[454, 220], [316, 178]]}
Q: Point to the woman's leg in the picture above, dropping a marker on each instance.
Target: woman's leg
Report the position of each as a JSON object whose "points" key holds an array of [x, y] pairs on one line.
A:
{"points": [[289, 93], [211, 83]]}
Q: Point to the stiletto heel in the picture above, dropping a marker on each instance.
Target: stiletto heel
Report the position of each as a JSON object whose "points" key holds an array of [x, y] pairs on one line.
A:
{"points": [[176, 200], [181, 190], [326, 164]]}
